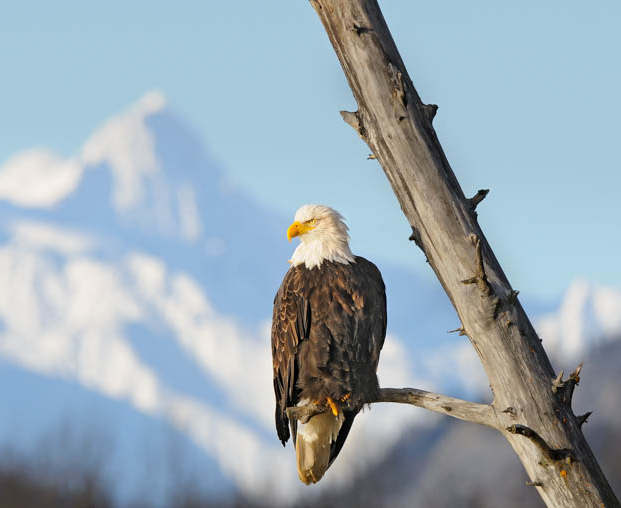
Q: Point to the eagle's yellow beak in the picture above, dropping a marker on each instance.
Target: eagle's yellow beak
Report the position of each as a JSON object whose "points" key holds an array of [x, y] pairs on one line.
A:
{"points": [[297, 229]]}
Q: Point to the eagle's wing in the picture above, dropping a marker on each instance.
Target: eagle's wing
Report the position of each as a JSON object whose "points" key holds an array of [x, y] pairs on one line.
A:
{"points": [[374, 308], [348, 307], [290, 326]]}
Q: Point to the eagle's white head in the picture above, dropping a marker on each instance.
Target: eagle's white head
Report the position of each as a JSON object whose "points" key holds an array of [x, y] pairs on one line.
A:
{"points": [[323, 236]]}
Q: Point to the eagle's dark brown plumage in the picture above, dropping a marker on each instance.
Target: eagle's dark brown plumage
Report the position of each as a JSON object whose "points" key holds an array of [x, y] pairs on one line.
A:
{"points": [[328, 328]]}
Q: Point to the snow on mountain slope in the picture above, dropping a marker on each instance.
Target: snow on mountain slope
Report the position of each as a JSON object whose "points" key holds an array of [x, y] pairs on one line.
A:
{"points": [[68, 315], [67, 318], [38, 178], [589, 316], [142, 276], [136, 272]]}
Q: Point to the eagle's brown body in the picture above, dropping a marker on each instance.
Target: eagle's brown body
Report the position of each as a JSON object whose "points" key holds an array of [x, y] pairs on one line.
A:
{"points": [[328, 328]]}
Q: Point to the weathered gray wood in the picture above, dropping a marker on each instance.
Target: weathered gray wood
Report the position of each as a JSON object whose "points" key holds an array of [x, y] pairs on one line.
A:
{"points": [[397, 127], [450, 406]]}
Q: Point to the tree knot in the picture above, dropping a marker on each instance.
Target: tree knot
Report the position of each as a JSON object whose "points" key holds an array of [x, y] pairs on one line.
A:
{"points": [[354, 119], [480, 278]]}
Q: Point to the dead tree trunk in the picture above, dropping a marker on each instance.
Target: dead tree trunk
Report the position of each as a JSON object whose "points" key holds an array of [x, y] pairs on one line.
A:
{"points": [[532, 406]]}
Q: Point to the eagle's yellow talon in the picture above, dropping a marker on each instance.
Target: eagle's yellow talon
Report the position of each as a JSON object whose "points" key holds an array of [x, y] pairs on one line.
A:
{"points": [[335, 410], [345, 397]]}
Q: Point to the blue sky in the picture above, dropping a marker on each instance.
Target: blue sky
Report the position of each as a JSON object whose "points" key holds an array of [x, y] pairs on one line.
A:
{"points": [[528, 97]]}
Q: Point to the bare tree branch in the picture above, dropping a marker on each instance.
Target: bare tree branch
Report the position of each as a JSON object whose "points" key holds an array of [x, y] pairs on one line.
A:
{"points": [[397, 127], [478, 197], [548, 452], [457, 408], [582, 419]]}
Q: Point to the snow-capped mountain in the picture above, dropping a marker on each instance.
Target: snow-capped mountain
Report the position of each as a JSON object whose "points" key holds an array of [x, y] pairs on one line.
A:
{"points": [[589, 316], [136, 286]]}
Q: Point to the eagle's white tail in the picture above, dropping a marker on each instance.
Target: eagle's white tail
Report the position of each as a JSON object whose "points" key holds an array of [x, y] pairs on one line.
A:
{"points": [[313, 443]]}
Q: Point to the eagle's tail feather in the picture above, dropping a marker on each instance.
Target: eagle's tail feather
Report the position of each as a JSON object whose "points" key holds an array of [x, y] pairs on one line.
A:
{"points": [[315, 445], [343, 433]]}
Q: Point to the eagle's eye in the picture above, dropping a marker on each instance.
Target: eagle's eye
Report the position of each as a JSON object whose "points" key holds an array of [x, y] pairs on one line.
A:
{"points": [[311, 222]]}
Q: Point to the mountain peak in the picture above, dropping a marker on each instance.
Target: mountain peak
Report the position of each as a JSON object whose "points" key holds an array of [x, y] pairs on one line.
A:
{"points": [[588, 316], [151, 102], [126, 144], [40, 178]]}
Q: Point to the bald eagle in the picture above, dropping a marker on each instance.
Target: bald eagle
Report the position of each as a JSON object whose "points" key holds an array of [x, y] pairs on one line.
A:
{"points": [[328, 328]]}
